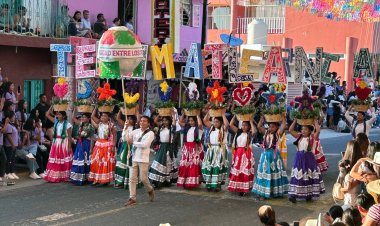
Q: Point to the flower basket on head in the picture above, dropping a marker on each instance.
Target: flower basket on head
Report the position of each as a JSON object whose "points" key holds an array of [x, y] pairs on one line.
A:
{"points": [[245, 117], [165, 106], [130, 105], [242, 97], [273, 110], [106, 108], [165, 111], [306, 113], [306, 122], [85, 108], [60, 107], [216, 112], [106, 103], [128, 111], [216, 99], [362, 92], [361, 107], [60, 90], [192, 112], [192, 106], [273, 118]]}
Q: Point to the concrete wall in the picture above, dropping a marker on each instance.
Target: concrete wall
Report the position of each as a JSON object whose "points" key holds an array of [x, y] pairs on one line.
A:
{"points": [[108, 7]]}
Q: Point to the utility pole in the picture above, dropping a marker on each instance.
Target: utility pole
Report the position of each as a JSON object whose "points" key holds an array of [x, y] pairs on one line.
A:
{"points": [[204, 23]]}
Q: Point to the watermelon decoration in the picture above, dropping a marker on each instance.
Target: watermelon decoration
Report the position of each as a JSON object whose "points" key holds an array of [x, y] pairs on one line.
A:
{"points": [[119, 53]]}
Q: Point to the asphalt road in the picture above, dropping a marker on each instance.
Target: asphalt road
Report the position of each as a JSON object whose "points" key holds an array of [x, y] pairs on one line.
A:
{"points": [[39, 203]]}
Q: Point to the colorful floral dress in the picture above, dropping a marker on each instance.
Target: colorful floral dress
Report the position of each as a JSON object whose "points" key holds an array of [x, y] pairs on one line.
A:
{"points": [[122, 170], [81, 160]]}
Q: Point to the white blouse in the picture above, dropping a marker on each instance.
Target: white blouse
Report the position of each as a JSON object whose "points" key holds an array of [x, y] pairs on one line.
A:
{"points": [[60, 127], [190, 134], [214, 137], [103, 131], [241, 140], [164, 135], [303, 144]]}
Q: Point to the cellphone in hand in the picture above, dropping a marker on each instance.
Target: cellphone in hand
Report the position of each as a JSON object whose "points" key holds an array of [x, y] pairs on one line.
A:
{"points": [[18, 89]]}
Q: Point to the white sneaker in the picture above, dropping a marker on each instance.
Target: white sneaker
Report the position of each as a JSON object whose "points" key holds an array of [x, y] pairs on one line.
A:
{"points": [[10, 176], [1, 179], [15, 176], [42, 175], [30, 156], [34, 176]]}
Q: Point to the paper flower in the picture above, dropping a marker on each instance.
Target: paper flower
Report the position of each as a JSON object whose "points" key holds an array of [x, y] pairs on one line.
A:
{"points": [[362, 90], [216, 92], [86, 86], [242, 96], [280, 87], [305, 101], [61, 88], [272, 97], [131, 99], [106, 92], [165, 91], [192, 92]]}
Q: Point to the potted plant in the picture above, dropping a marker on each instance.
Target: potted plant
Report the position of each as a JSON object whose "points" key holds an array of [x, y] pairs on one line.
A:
{"points": [[362, 91], [216, 99], [165, 106], [60, 90], [193, 105]]}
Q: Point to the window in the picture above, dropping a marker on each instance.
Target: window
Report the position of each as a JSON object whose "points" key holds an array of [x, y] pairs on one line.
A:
{"points": [[186, 12], [219, 17]]}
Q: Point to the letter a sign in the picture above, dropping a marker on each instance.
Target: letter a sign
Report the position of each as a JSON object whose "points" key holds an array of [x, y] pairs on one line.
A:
{"points": [[274, 66]]}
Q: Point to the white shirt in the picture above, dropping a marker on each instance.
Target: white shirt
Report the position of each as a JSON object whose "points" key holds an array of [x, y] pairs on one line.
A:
{"points": [[190, 134], [147, 113], [129, 26], [126, 132], [60, 127], [142, 148], [103, 131], [360, 127], [85, 24], [164, 135], [303, 144], [214, 137], [241, 140]]}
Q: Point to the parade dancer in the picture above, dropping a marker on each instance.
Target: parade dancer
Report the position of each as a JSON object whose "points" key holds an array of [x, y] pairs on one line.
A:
{"points": [[60, 158], [102, 157], [215, 163], [306, 182], [360, 125], [190, 172], [122, 172], [320, 156], [138, 162], [271, 179], [163, 171], [81, 160], [242, 168]]}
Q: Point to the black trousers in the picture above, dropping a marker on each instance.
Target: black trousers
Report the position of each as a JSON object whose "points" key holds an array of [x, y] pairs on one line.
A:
{"points": [[42, 158], [11, 155], [3, 161]]}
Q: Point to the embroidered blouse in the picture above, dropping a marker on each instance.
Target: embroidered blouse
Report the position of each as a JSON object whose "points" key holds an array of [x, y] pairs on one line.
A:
{"points": [[190, 134]]}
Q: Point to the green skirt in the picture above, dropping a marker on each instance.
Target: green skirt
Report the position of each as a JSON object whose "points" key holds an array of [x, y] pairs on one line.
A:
{"points": [[214, 166], [122, 170], [164, 170]]}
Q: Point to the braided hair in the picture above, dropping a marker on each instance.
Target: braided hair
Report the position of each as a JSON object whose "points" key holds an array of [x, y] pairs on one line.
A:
{"points": [[240, 131], [356, 124], [187, 128], [221, 131], [275, 138]]}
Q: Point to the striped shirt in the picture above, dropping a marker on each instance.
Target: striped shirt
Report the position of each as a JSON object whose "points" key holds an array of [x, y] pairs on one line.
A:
{"points": [[374, 213]]}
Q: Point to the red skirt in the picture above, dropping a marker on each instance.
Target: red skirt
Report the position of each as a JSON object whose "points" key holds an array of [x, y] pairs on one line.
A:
{"points": [[60, 159], [102, 162], [320, 157], [242, 171], [189, 171]]}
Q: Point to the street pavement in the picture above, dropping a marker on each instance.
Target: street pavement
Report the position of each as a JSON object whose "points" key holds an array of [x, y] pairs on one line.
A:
{"points": [[34, 202]]}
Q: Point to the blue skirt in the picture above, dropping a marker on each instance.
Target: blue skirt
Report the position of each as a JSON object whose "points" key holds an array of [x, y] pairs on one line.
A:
{"points": [[306, 181], [81, 163], [271, 179]]}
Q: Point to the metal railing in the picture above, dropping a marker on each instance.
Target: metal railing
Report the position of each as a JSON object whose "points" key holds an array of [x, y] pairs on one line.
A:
{"points": [[43, 18], [276, 25]]}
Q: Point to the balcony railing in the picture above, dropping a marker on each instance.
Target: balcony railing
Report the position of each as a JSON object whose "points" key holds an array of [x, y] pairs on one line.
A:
{"points": [[276, 25], [43, 18]]}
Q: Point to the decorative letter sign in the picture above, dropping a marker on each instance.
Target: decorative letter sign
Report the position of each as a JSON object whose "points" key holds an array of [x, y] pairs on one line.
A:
{"points": [[234, 76], [275, 66], [363, 65], [314, 71], [158, 57], [81, 61], [217, 59], [194, 62], [326, 65], [246, 62], [206, 63], [62, 51]]}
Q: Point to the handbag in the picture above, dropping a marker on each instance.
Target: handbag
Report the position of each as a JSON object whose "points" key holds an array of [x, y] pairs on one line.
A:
{"points": [[337, 193]]}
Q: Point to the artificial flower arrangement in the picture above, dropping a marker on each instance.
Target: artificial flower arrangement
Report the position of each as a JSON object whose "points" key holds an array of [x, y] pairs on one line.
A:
{"points": [[83, 102], [60, 90], [165, 106], [362, 92], [274, 107], [216, 99], [193, 105], [106, 103], [242, 96], [131, 98], [306, 113]]}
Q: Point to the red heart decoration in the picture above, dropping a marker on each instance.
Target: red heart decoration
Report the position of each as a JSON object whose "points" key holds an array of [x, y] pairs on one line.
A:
{"points": [[242, 95], [362, 94]]}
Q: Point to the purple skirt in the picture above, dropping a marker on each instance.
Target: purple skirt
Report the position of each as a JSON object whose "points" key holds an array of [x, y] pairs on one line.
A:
{"points": [[306, 181]]}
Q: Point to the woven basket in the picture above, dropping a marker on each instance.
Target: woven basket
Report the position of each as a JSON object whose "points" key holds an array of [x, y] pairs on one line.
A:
{"points": [[361, 107], [273, 118], [106, 108], [164, 111], [85, 108], [216, 112], [243, 118], [306, 122], [130, 111], [60, 107], [192, 112]]}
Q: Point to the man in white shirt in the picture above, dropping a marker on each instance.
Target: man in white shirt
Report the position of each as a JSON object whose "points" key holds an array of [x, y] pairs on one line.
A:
{"points": [[85, 22], [360, 125], [141, 139]]}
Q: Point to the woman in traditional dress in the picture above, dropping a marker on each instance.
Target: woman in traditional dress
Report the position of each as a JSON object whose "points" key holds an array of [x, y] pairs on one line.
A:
{"points": [[189, 172], [215, 163], [306, 182], [122, 170], [271, 179], [81, 161], [102, 158], [242, 169], [164, 170], [60, 158], [320, 156]]}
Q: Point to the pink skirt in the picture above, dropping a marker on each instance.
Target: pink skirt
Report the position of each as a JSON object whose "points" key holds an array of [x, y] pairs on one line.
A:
{"points": [[60, 160], [320, 157], [189, 171]]}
